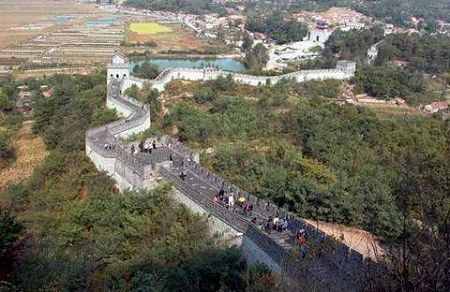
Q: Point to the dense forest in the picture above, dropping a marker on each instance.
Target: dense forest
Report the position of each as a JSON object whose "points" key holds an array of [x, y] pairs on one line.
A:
{"points": [[421, 53], [68, 227], [277, 28], [351, 45]]}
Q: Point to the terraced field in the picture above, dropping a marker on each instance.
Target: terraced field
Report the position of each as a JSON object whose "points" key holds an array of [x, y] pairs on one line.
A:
{"points": [[23, 19]]}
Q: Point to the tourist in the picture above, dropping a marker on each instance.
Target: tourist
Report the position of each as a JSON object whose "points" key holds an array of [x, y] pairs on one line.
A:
{"points": [[170, 157], [301, 237], [141, 146], [241, 200], [269, 224], [146, 147], [107, 146], [275, 222], [284, 226], [231, 200], [221, 192], [216, 200], [182, 176], [250, 209], [132, 149], [244, 209], [154, 144], [267, 206], [254, 220]]}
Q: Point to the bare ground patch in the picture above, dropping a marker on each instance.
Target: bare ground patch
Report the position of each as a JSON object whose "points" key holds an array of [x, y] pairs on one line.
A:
{"points": [[30, 152]]}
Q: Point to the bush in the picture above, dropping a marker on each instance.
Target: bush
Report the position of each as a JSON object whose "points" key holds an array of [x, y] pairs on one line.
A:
{"points": [[5, 103], [204, 95], [6, 152]]}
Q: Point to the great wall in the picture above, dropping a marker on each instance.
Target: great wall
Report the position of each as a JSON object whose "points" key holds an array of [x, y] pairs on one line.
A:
{"points": [[344, 70], [330, 265]]}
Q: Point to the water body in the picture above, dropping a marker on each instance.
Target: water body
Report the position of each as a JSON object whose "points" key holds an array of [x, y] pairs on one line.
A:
{"points": [[106, 21], [227, 64]]}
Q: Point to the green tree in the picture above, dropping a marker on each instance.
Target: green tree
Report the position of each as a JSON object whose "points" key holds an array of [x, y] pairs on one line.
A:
{"points": [[6, 104], [247, 43], [257, 58]]}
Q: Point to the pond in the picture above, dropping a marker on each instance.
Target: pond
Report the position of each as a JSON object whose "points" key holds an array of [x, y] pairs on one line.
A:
{"points": [[227, 64]]}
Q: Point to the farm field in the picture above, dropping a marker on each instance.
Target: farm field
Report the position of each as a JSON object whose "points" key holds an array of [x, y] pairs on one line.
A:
{"points": [[146, 28], [16, 16], [165, 37]]}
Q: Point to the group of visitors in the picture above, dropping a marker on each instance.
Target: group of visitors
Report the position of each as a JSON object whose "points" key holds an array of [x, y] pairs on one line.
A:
{"points": [[278, 224], [222, 199], [144, 147]]}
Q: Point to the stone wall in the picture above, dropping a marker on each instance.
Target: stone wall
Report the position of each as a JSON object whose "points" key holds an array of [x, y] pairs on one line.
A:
{"points": [[211, 74], [331, 268]]}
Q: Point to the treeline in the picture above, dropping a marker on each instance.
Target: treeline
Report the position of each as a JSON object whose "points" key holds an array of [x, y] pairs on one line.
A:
{"points": [[191, 6], [277, 28], [69, 228], [10, 119], [427, 53], [398, 12]]}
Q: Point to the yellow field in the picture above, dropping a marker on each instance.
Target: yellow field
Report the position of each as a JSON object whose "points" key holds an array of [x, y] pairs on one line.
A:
{"points": [[149, 28], [166, 37]]}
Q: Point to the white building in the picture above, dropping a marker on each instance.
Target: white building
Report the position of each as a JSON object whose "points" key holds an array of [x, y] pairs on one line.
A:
{"points": [[298, 50], [352, 25], [318, 35], [118, 67]]}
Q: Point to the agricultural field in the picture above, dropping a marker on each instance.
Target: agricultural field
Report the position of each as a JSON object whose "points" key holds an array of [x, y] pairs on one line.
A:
{"points": [[23, 19], [149, 28], [161, 37]]}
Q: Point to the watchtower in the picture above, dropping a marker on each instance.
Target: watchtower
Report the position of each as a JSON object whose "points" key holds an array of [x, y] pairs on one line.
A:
{"points": [[118, 67]]}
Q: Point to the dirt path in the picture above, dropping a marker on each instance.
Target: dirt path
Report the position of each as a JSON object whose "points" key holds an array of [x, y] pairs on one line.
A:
{"points": [[362, 241], [30, 152]]}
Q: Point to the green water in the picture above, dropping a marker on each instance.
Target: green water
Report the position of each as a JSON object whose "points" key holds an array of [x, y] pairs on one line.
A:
{"points": [[227, 64]]}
